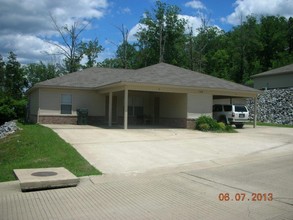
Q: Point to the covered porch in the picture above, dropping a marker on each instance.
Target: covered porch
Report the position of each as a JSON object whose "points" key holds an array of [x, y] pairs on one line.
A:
{"points": [[145, 108]]}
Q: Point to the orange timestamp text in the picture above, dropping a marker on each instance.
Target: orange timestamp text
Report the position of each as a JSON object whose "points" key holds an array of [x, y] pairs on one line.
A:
{"points": [[242, 197]]}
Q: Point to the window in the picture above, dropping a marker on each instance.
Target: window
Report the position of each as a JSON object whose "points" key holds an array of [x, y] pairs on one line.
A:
{"points": [[135, 106], [217, 108], [227, 108], [239, 108], [66, 104]]}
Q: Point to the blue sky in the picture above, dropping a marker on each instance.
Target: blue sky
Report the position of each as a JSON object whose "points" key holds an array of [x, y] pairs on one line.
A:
{"points": [[25, 26]]}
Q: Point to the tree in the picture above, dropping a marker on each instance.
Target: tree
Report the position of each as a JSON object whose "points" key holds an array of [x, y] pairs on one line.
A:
{"points": [[72, 48], [205, 43], [290, 35], [273, 35], [110, 63], [15, 81], [127, 56], [38, 72], [162, 37], [2, 75], [91, 50], [243, 46]]}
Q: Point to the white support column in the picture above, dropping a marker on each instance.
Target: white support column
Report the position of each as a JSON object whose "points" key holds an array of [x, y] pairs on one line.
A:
{"points": [[125, 108], [255, 112], [110, 109]]}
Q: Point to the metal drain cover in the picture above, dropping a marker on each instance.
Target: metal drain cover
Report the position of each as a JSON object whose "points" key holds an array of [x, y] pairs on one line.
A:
{"points": [[44, 173]]}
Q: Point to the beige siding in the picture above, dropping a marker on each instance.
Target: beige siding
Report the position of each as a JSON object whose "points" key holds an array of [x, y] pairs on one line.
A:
{"points": [[50, 101], [34, 102], [199, 104], [274, 81], [173, 105]]}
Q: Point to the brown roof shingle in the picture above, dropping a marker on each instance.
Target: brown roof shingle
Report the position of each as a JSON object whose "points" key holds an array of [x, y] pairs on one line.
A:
{"points": [[162, 73]]}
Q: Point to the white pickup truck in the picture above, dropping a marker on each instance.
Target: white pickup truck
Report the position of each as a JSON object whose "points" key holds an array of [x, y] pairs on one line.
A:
{"points": [[231, 114]]}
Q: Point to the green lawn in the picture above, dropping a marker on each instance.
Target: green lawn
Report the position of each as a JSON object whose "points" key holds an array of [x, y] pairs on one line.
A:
{"points": [[35, 146]]}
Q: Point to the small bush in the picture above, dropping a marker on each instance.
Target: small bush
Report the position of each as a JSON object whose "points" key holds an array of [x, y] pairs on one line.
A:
{"points": [[206, 123], [11, 109], [213, 125], [204, 127], [222, 126], [229, 128]]}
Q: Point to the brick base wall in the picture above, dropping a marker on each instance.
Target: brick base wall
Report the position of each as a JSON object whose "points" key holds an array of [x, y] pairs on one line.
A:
{"points": [[101, 120], [49, 119], [173, 122], [190, 123]]}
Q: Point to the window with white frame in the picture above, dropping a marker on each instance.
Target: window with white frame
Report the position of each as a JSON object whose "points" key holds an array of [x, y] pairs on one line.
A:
{"points": [[66, 104]]}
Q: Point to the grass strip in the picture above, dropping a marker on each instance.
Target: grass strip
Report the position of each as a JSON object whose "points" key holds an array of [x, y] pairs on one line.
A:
{"points": [[36, 146]]}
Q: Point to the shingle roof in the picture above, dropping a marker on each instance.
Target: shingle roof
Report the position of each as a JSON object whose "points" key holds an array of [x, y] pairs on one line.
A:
{"points": [[88, 78], [162, 74], [277, 71]]}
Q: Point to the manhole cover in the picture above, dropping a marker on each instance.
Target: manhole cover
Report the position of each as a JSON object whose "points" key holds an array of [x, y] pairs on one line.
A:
{"points": [[44, 173]]}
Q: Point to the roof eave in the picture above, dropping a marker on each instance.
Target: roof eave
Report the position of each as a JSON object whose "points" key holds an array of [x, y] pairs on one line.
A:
{"points": [[119, 86], [271, 74], [56, 87]]}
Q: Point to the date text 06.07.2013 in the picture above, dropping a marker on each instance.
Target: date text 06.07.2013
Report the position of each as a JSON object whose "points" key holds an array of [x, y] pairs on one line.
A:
{"points": [[242, 197]]}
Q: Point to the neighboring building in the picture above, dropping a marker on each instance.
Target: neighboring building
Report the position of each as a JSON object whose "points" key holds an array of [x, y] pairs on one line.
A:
{"points": [[161, 94], [274, 79]]}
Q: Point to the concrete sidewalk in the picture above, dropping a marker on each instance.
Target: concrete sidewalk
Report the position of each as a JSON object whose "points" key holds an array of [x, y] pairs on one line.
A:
{"points": [[179, 195]]}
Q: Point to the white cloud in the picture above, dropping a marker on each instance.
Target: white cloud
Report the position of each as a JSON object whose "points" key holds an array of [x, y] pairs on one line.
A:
{"points": [[195, 4], [28, 48], [133, 31], [25, 23], [193, 22], [259, 7]]}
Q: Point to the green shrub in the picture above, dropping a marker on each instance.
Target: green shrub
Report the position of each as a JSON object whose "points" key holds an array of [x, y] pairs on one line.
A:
{"points": [[222, 126], [19, 107], [11, 109], [204, 127], [213, 125], [206, 123], [229, 128]]}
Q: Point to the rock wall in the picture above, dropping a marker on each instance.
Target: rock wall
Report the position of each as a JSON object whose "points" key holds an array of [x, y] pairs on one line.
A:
{"points": [[274, 106], [7, 128]]}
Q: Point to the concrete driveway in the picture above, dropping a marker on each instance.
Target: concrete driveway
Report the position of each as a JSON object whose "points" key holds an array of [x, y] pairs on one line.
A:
{"points": [[118, 151]]}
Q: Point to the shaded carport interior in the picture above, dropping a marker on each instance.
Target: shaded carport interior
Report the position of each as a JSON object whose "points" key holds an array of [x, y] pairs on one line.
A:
{"points": [[144, 106]]}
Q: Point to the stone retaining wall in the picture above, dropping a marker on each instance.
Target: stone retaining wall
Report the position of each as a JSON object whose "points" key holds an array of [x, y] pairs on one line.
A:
{"points": [[274, 106]]}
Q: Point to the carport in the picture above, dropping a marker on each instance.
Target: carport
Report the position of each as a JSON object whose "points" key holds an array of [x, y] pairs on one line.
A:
{"points": [[145, 105]]}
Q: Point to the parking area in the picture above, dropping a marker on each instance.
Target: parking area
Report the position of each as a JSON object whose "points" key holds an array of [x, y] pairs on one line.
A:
{"points": [[119, 151]]}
